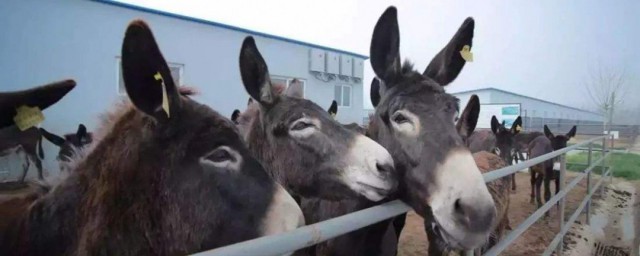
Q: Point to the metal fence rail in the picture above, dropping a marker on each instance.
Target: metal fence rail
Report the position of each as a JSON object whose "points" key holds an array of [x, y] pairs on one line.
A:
{"points": [[319, 232]]}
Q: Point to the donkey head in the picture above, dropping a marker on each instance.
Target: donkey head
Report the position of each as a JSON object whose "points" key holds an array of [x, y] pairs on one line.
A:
{"points": [[70, 143], [215, 191], [505, 138], [559, 141], [304, 148], [415, 121]]}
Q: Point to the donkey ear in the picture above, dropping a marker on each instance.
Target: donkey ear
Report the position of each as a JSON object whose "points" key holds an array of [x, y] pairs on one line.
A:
{"points": [[235, 115], [55, 139], [41, 96], [295, 89], [447, 64], [516, 126], [250, 101], [548, 132], [333, 109], [385, 45], [495, 124], [572, 132], [255, 74], [374, 92], [146, 74], [82, 131], [469, 117]]}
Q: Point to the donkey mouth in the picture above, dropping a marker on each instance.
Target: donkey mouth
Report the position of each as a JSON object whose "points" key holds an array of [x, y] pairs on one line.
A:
{"points": [[372, 192], [448, 240]]}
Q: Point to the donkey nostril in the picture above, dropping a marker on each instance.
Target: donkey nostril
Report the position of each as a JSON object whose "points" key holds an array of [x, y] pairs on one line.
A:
{"points": [[385, 169], [458, 208]]}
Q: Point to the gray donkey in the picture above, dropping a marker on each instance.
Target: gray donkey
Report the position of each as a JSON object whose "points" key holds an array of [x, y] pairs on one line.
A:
{"points": [[415, 121], [302, 147]]}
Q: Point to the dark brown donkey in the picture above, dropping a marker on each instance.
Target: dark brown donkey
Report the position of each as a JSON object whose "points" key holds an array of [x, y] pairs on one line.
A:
{"points": [[499, 140], [170, 176], [499, 189], [13, 139], [72, 144], [415, 121]]}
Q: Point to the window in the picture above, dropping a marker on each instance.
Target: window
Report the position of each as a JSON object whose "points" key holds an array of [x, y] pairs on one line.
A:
{"points": [[342, 95], [175, 69], [286, 81]]}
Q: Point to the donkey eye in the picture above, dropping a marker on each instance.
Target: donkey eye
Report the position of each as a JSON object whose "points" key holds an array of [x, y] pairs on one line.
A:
{"points": [[301, 126], [220, 155], [400, 118]]}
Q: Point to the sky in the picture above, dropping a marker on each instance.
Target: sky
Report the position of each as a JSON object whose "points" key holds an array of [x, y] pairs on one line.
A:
{"points": [[544, 49]]}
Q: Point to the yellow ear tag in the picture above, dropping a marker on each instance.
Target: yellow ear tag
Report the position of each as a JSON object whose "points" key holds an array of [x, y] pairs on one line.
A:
{"points": [[333, 115], [518, 128], [28, 117], [165, 99], [466, 53]]}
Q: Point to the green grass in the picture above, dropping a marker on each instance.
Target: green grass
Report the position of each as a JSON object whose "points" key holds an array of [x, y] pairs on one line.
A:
{"points": [[597, 146], [625, 165]]}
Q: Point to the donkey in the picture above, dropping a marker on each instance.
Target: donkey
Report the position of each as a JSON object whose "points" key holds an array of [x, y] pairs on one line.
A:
{"points": [[415, 120], [13, 139], [539, 146], [302, 147], [29, 141], [499, 140], [169, 176], [333, 111], [70, 145], [499, 189]]}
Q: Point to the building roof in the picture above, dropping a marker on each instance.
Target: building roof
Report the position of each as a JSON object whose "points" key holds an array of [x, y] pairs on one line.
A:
{"points": [[524, 96], [225, 26]]}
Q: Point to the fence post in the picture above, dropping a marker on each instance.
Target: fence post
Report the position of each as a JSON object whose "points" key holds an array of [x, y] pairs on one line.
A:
{"points": [[588, 206], [609, 164], [603, 166], [563, 169]]}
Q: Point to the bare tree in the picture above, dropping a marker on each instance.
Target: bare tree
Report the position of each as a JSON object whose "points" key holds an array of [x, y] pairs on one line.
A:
{"points": [[606, 88]]}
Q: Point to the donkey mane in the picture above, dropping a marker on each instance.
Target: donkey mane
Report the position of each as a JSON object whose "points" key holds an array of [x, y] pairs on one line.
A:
{"points": [[408, 75]]}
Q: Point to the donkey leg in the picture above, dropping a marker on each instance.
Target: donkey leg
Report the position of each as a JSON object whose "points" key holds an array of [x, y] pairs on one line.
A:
{"points": [[25, 168], [513, 181], [39, 168], [538, 192], [533, 184]]}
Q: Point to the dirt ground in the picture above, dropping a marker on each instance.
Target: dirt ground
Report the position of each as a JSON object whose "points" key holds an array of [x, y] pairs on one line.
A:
{"points": [[532, 242]]}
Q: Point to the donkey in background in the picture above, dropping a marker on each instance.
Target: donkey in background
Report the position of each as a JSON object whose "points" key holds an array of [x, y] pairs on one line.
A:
{"points": [[169, 176], [70, 145], [29, 142], [499, 140], [333, 111]]}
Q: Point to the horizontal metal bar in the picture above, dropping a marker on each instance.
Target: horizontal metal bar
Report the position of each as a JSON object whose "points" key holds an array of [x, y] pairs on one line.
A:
{"points": [[494, 175], [325, 230], [556, 240], [312, 234]]}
